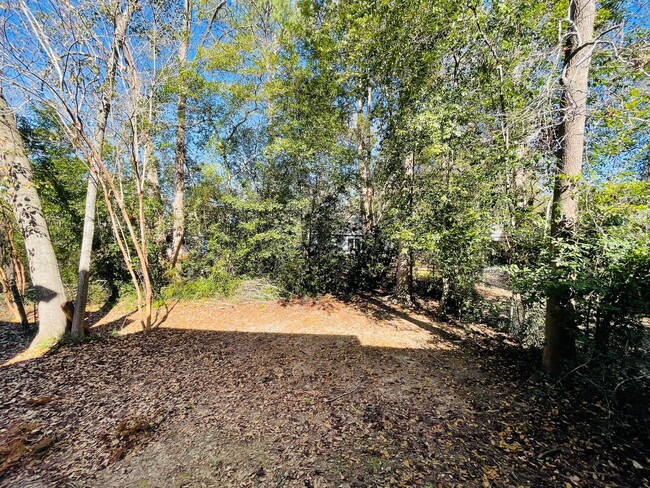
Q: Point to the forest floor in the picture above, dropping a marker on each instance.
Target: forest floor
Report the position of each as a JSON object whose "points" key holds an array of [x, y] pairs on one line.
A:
{"points": [[327, 393]]}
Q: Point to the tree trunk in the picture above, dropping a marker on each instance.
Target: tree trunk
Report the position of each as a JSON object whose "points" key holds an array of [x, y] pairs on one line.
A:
{"points": [[43, 266], [7, 294], [603, 331], [444, 297], [18, 267], [404, 275], [9, 275], [178, 207], [13, 299], [364, 152], [560, 317], [122, 20], [12, 271], [152, 177]]}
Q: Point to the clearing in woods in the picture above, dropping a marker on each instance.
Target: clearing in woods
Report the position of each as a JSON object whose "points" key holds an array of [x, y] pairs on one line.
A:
{"points": [[304, 394]]}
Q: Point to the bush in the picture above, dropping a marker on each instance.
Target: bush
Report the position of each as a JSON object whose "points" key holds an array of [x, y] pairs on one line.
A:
{"points": [[200, 288]]}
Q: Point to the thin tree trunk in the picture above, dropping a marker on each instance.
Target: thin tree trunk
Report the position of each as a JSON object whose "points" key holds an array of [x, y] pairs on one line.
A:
{"points": [[12, 272], [364, 153], [148, 183], [444, 297], [404, 275], [178, 207], [16, 297], [8, 293], [152, 177], [560, 317], [43, 266], [122, 20], [18, 267], [8, 273]]}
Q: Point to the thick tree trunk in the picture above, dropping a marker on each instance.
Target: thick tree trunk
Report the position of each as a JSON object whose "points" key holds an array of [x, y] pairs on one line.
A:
{"points": [[122, 20], [560, 320], [43, 266], [404, 275], [178, 206]]}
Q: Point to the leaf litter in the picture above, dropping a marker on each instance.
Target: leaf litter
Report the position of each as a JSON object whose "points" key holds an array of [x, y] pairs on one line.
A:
{"points": [[306, 393]]}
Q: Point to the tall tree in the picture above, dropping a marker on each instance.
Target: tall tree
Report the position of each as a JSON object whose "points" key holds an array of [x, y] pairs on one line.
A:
{"points": [[43, 266], [560, 320], [178, 207], [121, 20], [404, 271], [57, 75]]}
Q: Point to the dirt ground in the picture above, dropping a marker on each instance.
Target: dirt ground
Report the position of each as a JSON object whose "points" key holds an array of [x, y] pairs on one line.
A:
{"points": [[331, 393]]}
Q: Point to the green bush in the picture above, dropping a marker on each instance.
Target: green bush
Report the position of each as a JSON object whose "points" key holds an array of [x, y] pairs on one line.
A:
{"points": [[200, 288]]}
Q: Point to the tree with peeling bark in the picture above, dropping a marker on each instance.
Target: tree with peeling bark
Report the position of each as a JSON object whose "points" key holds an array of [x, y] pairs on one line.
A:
{"points": [[70, 77], [120, 19]]}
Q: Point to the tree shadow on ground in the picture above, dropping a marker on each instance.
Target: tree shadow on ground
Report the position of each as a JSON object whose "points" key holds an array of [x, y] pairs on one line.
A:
{"points": [[96, 316], [14, 339], [379, 310], [187, 407]]}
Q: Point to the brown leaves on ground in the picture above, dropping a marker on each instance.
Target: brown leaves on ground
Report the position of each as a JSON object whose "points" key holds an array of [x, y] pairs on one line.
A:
{"points": [[22, 443], [309, 394]]}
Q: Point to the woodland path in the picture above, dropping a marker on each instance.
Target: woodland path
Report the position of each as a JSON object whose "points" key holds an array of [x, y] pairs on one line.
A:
{"points": [[303, 394]]}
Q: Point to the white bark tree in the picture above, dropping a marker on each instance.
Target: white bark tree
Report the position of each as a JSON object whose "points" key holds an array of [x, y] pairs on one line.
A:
{"points": [[26, 204], [61, 67], [178, 206]]}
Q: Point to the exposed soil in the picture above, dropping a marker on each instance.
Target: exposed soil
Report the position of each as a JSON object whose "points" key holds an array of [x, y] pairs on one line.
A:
{"points": [[301, 394]]}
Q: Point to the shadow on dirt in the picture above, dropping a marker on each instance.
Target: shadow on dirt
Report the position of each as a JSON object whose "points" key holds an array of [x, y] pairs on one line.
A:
{"points": [[177, 407]]}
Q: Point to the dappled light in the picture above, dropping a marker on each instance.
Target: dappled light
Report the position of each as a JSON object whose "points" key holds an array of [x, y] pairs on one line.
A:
{"points": [[199, 399], [324, 243], [373, 323]]}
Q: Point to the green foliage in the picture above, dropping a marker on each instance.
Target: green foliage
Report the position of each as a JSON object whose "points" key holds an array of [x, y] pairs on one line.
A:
{"points": [[220, 285], [606, 267], [61, 180], [289, 102], [59, 174]]}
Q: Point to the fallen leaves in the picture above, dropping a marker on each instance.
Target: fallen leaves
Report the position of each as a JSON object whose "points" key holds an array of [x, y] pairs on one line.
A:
{"points": [[193, 408], [20, 443], [38, 401]]}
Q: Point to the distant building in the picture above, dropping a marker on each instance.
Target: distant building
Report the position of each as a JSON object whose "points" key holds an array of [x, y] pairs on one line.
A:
{"points": [[497, 234], [349, 240]]}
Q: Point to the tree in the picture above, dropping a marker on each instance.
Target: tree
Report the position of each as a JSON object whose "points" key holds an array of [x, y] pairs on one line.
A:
{"points": [[404, 271], [178, 207], [560, 320], [120, 21], [43, 266], [12, 273]]}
